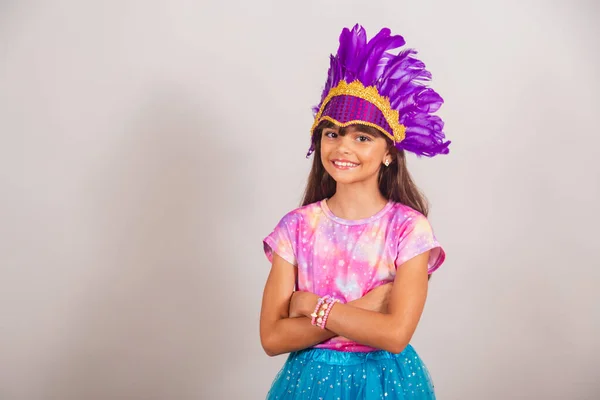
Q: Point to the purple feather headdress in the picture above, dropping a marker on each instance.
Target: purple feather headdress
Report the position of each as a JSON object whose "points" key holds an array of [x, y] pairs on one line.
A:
{"points": [[368, 84]]}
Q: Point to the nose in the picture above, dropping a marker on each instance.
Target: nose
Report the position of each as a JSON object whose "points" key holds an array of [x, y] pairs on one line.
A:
{"points": [[344, 145]]}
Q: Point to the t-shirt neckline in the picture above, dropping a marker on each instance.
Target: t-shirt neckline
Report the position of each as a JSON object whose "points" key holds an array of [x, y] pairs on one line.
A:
{"points": [[332, 216]]}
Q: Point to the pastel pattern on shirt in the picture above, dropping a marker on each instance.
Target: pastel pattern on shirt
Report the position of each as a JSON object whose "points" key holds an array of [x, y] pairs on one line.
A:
{"points": [[348, 258]]}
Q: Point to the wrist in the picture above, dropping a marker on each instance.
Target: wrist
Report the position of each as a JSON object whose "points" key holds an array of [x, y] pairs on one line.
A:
{"points": [[309, 303], [322, 310]]}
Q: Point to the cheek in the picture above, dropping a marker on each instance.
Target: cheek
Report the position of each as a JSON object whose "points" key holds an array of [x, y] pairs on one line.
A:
{"points": [[324, 156], [372, 156], [325, 149]]}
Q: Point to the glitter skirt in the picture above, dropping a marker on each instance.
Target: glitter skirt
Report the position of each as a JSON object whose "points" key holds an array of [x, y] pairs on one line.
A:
{"points": [[330, 374]]}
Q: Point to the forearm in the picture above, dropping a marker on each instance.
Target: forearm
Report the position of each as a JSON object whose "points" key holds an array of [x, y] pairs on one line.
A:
{"points": [[371, 328], [381, 331], [293, 334]]}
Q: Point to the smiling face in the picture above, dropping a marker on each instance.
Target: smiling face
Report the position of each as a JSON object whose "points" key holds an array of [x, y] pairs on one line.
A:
{"points": [[351, 155]]}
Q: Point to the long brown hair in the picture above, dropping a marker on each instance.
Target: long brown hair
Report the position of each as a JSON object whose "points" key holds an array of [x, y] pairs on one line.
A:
{"points": [[395, 182]]}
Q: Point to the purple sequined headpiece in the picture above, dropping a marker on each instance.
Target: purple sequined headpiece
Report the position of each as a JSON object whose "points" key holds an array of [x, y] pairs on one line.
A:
{"points": [[368, 84]]}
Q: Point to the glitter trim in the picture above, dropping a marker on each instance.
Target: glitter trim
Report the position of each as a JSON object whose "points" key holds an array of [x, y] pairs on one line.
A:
{"points": [[370, 94], [353, 122]]}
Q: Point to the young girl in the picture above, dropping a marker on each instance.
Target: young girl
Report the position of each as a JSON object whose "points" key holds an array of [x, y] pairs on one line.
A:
{"points": [[350, 268]]}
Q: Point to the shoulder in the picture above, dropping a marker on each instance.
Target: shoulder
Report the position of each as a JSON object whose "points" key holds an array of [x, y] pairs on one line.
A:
{"points": [[414, 236], [302, 214], [407, 217], [403, 213]]}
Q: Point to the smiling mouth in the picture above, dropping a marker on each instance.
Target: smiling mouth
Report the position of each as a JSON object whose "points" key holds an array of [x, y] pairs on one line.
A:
{"points": [[344, 164]]}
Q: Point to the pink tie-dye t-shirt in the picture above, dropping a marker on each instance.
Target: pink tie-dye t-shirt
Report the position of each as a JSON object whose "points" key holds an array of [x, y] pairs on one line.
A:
{"points": [[348, 258]]}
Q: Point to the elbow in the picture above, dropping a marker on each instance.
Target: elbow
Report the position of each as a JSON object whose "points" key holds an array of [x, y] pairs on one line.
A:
{"points": [[397, 343], [269, 346], [397, 348], [270, 351]]}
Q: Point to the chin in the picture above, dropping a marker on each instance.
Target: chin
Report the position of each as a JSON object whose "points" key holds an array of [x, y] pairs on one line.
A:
{"points": [[346, 179]]}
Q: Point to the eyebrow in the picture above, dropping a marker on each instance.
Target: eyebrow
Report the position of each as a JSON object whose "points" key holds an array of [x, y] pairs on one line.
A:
{"points": [[344, 132], [359, 132]]}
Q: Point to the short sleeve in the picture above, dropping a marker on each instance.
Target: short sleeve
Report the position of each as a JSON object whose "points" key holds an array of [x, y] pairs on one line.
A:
{"points": [[416, 238], [283, 240]]}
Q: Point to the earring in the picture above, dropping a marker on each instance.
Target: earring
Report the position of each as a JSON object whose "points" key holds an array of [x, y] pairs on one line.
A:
{"points": [[386, 163]]}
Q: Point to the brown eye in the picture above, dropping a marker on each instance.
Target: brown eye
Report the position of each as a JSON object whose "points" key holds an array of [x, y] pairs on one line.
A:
{"points": [[363, 138]]}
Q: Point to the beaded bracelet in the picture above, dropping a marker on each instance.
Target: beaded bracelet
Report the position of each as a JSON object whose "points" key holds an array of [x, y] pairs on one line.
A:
{"points": [[315, 314], [322, 310], [330, 304]]}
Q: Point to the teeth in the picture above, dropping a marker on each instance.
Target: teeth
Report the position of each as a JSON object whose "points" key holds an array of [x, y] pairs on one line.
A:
{"points": [[345, 164]]}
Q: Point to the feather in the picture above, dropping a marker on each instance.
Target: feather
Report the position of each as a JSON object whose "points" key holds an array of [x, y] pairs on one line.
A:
{"points": [[351, 43], [376, 56]]}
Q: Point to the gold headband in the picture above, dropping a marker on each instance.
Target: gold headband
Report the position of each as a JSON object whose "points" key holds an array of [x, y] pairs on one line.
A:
{"points": [[370, 94]]}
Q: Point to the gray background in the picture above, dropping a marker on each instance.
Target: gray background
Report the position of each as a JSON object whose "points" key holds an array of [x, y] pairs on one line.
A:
{"points": [[147, 148]]}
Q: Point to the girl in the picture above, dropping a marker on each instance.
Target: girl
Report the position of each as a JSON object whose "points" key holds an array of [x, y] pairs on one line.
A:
{"points": [[350, 267]]}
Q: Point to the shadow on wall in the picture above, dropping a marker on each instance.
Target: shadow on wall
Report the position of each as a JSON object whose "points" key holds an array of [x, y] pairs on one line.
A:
{"points": [[147, 324]]}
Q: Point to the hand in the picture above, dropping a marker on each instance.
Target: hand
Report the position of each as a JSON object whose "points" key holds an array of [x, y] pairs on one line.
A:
{"points": [[302, 304], [375, 300]]}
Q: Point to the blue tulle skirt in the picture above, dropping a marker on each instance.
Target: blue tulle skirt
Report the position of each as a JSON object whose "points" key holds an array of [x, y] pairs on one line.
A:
{"points": [[330, 374]]}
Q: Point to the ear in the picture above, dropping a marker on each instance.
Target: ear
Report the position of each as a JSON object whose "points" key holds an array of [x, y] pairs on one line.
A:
{"points": [[387, 156]]}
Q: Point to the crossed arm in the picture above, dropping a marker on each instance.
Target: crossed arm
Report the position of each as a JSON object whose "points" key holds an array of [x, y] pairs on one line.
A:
{"points": [[285, 315]]}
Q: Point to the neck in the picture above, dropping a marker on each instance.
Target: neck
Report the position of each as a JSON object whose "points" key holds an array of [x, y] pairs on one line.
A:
{"points": [[354, 201]]}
